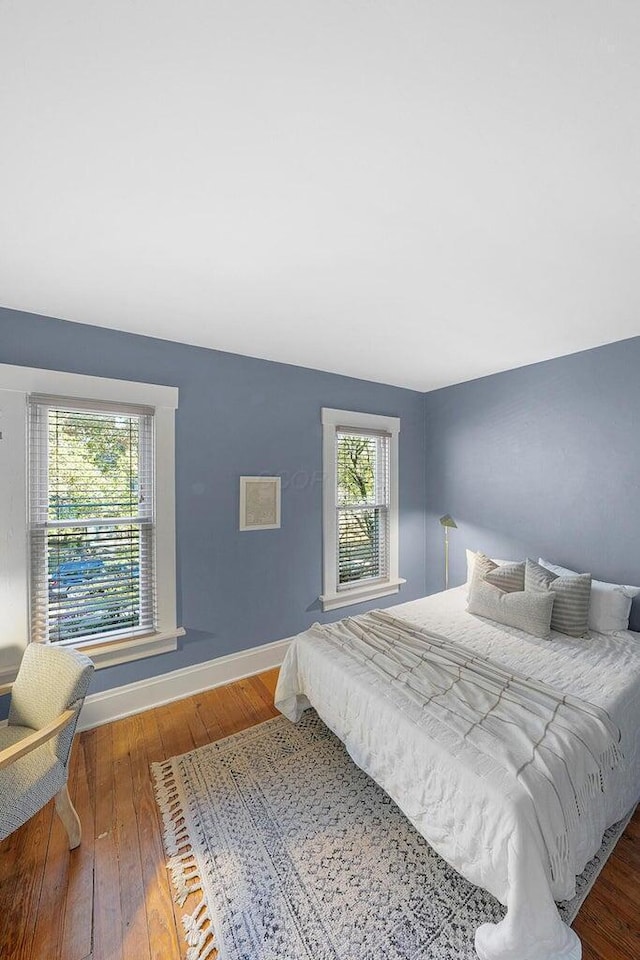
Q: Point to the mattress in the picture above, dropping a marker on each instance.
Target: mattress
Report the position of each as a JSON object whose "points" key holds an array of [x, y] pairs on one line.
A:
{"points": [[467, 807], [602, 669]]}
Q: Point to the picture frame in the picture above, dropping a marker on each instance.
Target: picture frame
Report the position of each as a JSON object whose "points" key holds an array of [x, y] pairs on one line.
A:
{"points": [[260, 503]]}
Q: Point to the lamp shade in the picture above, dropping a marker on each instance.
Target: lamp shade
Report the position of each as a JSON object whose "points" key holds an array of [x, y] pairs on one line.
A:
{"points": [[448, 521]]}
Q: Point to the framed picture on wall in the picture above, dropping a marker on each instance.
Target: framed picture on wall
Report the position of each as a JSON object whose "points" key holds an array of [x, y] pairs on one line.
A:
{"points": [[259, 503]]}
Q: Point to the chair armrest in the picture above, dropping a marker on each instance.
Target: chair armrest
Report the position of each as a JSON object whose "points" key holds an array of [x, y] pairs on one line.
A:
{"points": [[5, 688], [35, 739]]}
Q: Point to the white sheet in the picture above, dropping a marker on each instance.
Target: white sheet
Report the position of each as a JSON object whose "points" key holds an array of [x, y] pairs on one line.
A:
{"points": [[468, 807]]}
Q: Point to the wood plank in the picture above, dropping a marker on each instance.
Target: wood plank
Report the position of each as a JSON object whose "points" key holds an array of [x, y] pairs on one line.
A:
{"points": [[135, 932], [261, 697], [207, 706], [176, 736], [619, 881], [270, 679], [8, 847], [187, 715], [163, 938], [235, 713], [156, 753], [588, 953], [77, 932], [177, 739], [600, 930], [22, 885], [47, 935], [107, 918], [628, 851]]}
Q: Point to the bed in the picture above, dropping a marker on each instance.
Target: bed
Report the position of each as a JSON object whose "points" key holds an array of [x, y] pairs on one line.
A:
{"points": [[467, 803]]}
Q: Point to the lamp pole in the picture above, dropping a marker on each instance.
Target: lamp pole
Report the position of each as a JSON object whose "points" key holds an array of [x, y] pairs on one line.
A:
{"points": [[446, 558], [447, 521]]}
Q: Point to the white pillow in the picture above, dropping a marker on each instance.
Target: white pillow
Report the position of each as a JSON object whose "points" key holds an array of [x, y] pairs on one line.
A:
{"points": [[610, 602]]}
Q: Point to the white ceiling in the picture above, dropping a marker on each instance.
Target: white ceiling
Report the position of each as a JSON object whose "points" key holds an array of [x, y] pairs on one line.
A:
{"points": [[413, 191]]}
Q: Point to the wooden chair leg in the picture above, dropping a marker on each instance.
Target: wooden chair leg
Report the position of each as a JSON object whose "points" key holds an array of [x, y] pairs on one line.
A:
{"points": [[67, 813]]}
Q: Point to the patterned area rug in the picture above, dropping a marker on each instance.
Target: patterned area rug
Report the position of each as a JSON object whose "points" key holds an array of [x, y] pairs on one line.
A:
{"points": [[301, 856]]}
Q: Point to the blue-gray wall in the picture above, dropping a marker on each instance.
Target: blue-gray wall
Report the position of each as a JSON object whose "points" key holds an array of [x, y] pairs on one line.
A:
{"points": [[540, 461], [238, 416]]}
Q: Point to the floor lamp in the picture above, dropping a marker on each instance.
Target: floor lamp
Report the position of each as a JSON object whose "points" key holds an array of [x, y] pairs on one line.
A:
{"points": [[448, 523]]}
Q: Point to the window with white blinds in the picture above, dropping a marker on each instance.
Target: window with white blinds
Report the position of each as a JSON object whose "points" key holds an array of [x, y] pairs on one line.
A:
{"points": [[360, 507], [91, 520]]}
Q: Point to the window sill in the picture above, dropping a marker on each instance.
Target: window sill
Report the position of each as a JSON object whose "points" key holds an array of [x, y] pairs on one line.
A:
{"points": [[345, 598], [109, 653], [112, 652]]}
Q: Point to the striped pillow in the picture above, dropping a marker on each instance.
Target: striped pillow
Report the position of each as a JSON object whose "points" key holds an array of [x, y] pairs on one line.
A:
{"points": [[509, 577], [570, 613]]}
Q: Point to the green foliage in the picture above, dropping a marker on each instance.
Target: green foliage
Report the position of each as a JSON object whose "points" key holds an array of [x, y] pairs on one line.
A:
{"points": [[356, 469], [356, 463], [93, 465]]}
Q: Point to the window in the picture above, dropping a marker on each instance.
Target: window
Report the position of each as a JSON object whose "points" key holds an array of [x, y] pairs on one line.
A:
{"points": [[87, 500], [92, 523], [360, 507]]}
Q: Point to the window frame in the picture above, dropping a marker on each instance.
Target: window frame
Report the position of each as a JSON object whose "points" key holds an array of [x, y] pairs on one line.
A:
{"points": [[333, 595], [18, 384], [40, 522]]}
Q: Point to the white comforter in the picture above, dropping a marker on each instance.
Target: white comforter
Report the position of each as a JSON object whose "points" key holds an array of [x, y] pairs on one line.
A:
{"points": [[467, 805]]}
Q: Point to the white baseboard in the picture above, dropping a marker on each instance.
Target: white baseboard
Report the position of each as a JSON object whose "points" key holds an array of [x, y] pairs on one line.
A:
{"points": [[133, 698]]}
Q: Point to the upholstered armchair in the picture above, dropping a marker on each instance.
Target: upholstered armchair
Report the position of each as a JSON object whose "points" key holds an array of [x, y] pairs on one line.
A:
{"points": [[46, 698]]}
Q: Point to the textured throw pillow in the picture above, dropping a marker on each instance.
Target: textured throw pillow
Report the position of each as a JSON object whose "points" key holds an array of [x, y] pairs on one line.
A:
{"points": [[472, 555], [509, 577], [610, 605], [530, 611], [573, 594], [482, 565]]}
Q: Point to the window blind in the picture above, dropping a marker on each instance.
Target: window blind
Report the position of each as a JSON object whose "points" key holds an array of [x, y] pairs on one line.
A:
{"points": [[362, 505], [91, 520]]}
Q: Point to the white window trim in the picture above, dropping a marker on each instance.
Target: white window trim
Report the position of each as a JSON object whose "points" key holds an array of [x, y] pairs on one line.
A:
{"points": [[16, 384], [332, 598]]}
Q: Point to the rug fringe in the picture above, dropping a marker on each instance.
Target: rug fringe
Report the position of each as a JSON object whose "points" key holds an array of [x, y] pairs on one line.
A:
{"points": [[182, 863]]}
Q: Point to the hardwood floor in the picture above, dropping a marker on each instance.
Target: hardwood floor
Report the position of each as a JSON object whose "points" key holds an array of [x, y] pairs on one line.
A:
{"points": [[111, 898]]}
